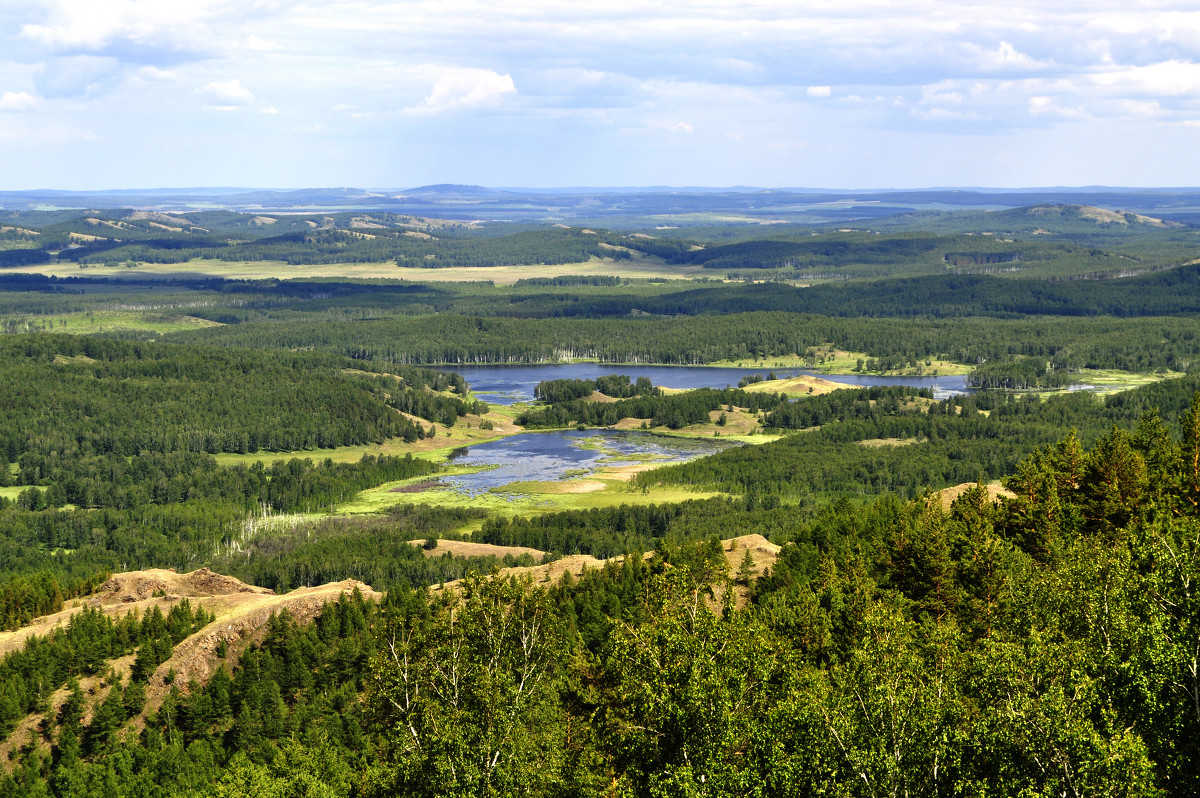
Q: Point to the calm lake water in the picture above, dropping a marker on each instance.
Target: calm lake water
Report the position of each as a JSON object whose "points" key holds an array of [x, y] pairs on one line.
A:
{"points": [[548, 456], [506, 385]]}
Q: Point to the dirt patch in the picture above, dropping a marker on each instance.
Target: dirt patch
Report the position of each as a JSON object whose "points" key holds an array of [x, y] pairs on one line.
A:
{"points": [[574, 486], [879, 443], [195, 659], [995, 490], [802, 385], [550, 573], [466, 548], [627, 472], [142, 591], [763, 553], [242, 614]]}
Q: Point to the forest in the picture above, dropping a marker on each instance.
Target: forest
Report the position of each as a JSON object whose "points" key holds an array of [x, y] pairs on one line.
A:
{"points": [[989, 593], [1027, 648]]}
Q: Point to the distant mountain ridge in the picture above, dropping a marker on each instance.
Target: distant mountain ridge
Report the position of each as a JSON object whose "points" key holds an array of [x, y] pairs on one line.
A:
{"points": [[735, 204]]}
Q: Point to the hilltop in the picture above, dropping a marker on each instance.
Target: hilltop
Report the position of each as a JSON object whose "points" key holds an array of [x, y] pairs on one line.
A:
{"points": [[242, 611]]}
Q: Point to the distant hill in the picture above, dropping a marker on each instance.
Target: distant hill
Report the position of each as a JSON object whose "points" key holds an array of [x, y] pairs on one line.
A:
{"points": [[452, 189], [1085, 214], [606, 206]]}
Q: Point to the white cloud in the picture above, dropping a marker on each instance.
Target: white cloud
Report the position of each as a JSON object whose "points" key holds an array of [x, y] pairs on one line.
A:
{"points": [[943, 93], [674, 127], [1006, 58], [1164, 79], [259, 44], [17, 101], [928, 69], [227, 93], [154, 73], [456, 88], [88, 25], [1046, 106]]}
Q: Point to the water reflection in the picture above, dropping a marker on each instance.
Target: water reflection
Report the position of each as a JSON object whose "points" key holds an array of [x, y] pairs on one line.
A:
{"points": [[506, 385], [565, 454]]}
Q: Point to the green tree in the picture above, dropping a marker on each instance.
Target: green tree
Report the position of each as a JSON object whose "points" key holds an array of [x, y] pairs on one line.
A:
{"points": [[464, 691], [685, 692]]}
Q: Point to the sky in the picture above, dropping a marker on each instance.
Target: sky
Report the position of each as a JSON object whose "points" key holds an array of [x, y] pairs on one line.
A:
{"points": [[854, 94]]}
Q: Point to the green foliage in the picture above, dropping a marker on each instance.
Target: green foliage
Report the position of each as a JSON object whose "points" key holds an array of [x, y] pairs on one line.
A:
{"points": [[75, 397], [673, 410], [743, 332], [465, 689]]}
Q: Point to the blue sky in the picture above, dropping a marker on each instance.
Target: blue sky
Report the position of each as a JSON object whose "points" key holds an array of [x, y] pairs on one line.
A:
{"points": [[821, 93]]}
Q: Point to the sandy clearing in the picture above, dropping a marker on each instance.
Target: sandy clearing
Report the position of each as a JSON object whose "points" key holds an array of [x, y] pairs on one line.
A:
{"points": [[800, 385], [142, 591], [763, 554], [467, 548], [995, 492], [242, 614], [878, 443]]}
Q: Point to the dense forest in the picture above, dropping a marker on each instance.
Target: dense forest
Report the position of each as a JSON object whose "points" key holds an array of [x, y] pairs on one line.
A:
{"points": [[1030, 631], [1035, 647], [1142, 345], [70, 397]]}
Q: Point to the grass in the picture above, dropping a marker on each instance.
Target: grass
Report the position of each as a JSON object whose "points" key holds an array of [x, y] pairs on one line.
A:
{"points": [[838, 361], [796, 386], [640, 267], [101, 321], [1107, 381], [13, 491], [529, 498], [437, 449]]}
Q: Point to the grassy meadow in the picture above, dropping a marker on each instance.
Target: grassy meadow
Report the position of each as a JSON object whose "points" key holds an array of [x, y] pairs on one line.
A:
{"points": [[641, 266]]}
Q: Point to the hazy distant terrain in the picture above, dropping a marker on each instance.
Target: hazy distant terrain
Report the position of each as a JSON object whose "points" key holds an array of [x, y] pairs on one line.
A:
{"points": [[688, 206]]}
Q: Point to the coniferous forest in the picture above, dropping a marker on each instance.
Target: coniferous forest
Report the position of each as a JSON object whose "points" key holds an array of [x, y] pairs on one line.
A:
{"points": [[866, 591]]}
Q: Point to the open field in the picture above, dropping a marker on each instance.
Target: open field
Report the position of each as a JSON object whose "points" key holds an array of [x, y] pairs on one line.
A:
{"points": [[841, 362], [640, 267], [437, 448], [12, 491], [1106, 381], [467, 548], [607, 487], [803, 385], [111, 321]]}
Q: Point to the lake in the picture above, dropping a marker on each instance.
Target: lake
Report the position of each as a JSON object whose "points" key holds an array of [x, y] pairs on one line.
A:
{"points": [[565, 454], [506, 385]]}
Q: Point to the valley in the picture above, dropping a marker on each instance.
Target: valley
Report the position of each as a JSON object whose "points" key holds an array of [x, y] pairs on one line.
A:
{"points": [[666, 493]]}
